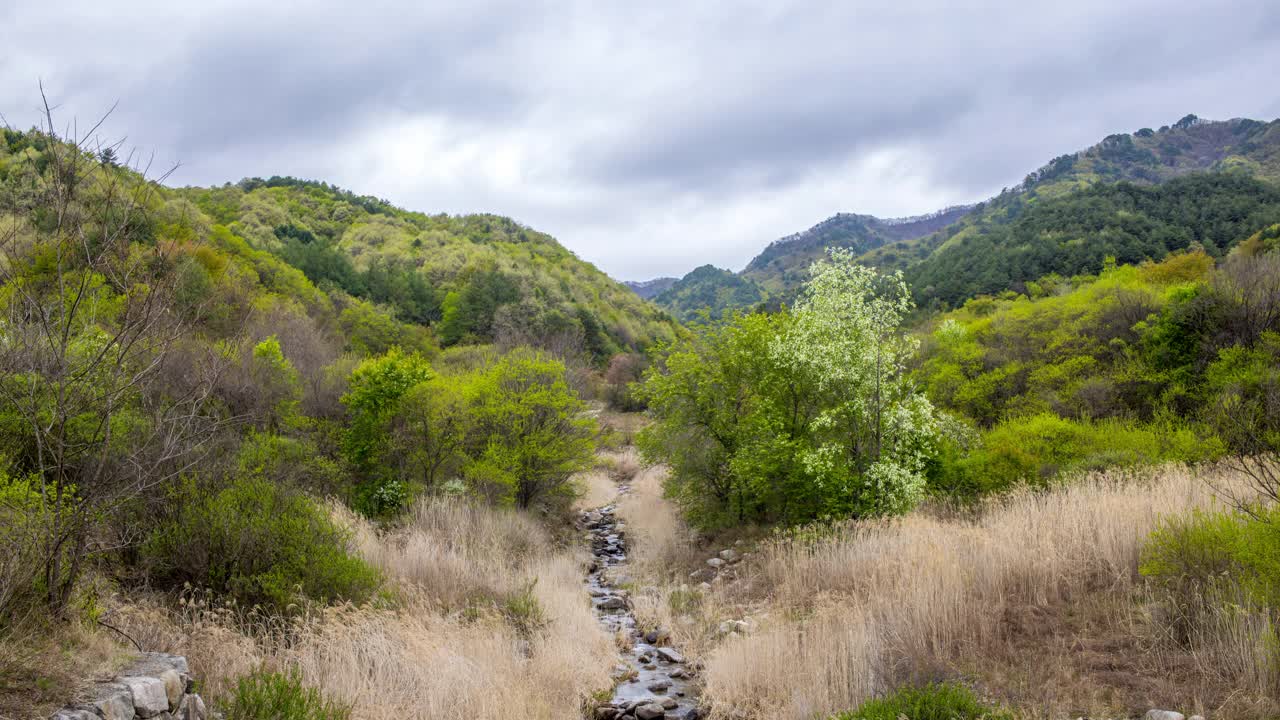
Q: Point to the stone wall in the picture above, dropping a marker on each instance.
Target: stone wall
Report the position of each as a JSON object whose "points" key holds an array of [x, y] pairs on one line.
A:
{"points": [[156, 685]]}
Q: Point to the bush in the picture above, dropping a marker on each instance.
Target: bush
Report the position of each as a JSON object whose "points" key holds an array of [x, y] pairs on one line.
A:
{"points": [[935, 702], [1039, 448], [259, 542], [279, 696], [1188, 554]]}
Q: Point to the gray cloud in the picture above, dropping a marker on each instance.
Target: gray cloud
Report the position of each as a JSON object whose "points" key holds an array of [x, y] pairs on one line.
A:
{"points": [[648, 137]]}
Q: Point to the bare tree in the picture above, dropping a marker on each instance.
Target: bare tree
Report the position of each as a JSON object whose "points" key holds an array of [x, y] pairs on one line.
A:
{"points": [[86, 321]]}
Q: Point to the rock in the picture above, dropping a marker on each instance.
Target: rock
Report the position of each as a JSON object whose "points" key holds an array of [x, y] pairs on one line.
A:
{"points": [[613, 603], [715, 562], [75, 714], [658, 686], [670, 655], [669, 703], [173, 687], [651, 711], [192, 708], [114, 701], [150, 697], [704, 586], [730, 555], [1196, 717], [606, 712], [1163, 715]]}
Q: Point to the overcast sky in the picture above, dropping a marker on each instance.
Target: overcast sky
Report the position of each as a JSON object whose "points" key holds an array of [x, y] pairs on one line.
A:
{"points": [[648, 137]]}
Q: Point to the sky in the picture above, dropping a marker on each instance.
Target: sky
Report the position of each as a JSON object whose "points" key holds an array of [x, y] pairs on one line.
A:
{"points": [[648, 137]]}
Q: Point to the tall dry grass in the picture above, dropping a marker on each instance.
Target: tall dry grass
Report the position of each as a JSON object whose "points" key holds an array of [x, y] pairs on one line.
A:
{"points": [[869, 605], [490, 620]]}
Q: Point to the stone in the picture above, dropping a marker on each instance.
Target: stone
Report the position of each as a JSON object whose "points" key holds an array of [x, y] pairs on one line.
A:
{"points": [[659, 686], [192, 708], [1196, 717], [149, 695], [730, 555], [114, 701], [1163, 715], [75, 714], [606, 712], [174, 687], [613, 603], [715, 562], [650, 711], [670, 655]]}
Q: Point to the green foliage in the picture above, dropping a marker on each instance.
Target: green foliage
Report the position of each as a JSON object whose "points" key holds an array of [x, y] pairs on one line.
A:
{"points": [[263, 694], [709, 292], [798, 415], [276, 382], [531, 431], [374, 391], [945, 701], [259, 542], [1076, 233], [1035, 450]]}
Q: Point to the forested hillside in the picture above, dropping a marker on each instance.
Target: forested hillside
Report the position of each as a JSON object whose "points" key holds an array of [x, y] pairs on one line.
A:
{"points": [[475, 278], [784, 265], [1099, 203], [711, 292]]}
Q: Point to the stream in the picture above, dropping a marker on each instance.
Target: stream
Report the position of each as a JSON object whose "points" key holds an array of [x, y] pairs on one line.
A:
{"points": [[653, 680]]}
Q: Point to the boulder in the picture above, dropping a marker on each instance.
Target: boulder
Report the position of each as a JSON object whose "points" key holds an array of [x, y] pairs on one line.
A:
{"points": [[613, 603], [174, 687], [670, 655], [150, 697], [192, 708], [730, 555], [715, 562], [658, 686], [650, 711], [1163, 715], [114, 701]]}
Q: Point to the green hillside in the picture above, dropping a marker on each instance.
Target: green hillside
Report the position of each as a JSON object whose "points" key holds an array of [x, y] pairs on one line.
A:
{"points": [[472, 278], [709, 291]]}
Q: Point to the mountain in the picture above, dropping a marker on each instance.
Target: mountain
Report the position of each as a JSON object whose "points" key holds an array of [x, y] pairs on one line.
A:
{"points": [[471, 278], [649, 289], [1066, 217], [784, 264], [711, 290], [1094, 197]]}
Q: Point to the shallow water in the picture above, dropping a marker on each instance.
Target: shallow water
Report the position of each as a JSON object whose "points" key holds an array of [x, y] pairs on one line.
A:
{"points": [[648, 672]]}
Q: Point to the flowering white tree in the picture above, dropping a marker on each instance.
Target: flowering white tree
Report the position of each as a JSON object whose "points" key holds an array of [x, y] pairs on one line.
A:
{"points": [[874, 432]]}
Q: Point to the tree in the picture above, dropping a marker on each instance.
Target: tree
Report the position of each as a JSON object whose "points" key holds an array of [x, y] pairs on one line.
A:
{"points": [[874, 430], [431, 429], [795, 415], [532, 431], [86, 320]]}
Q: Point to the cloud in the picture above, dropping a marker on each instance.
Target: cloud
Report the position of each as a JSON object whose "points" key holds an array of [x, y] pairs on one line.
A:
{"points": [[648, 137]]}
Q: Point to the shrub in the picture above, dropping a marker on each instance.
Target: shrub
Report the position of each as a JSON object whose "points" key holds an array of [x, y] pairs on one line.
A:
{"points": [[259, 542], [944, 701], [279, 696], [1206, 549]]}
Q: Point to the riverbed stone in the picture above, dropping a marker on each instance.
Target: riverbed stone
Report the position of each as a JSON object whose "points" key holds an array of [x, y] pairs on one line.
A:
{"points": [[670, 655], [650, 711]]}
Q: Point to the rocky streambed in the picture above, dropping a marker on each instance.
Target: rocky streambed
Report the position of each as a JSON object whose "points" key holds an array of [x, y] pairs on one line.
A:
{"points": [[652, 680]]}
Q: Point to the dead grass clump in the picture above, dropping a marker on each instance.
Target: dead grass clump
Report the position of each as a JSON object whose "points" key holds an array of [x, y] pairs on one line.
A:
{"points": [[490, 620], [865, 606]]}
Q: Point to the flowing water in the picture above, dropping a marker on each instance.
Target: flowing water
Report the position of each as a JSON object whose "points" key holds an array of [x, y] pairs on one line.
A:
{"points": [[653, 680]]}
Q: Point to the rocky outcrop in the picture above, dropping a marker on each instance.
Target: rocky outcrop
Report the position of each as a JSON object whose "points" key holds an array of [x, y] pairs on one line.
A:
{"points": [[155, 685]]}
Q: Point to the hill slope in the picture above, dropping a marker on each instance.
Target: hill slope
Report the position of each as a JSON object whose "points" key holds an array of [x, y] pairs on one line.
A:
{"points": [[473, 278], [649, 289], [711, 290]]}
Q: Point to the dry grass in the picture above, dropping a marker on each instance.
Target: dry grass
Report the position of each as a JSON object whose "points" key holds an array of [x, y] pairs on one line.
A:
{"points": [[490, 621], [871, 605]]}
